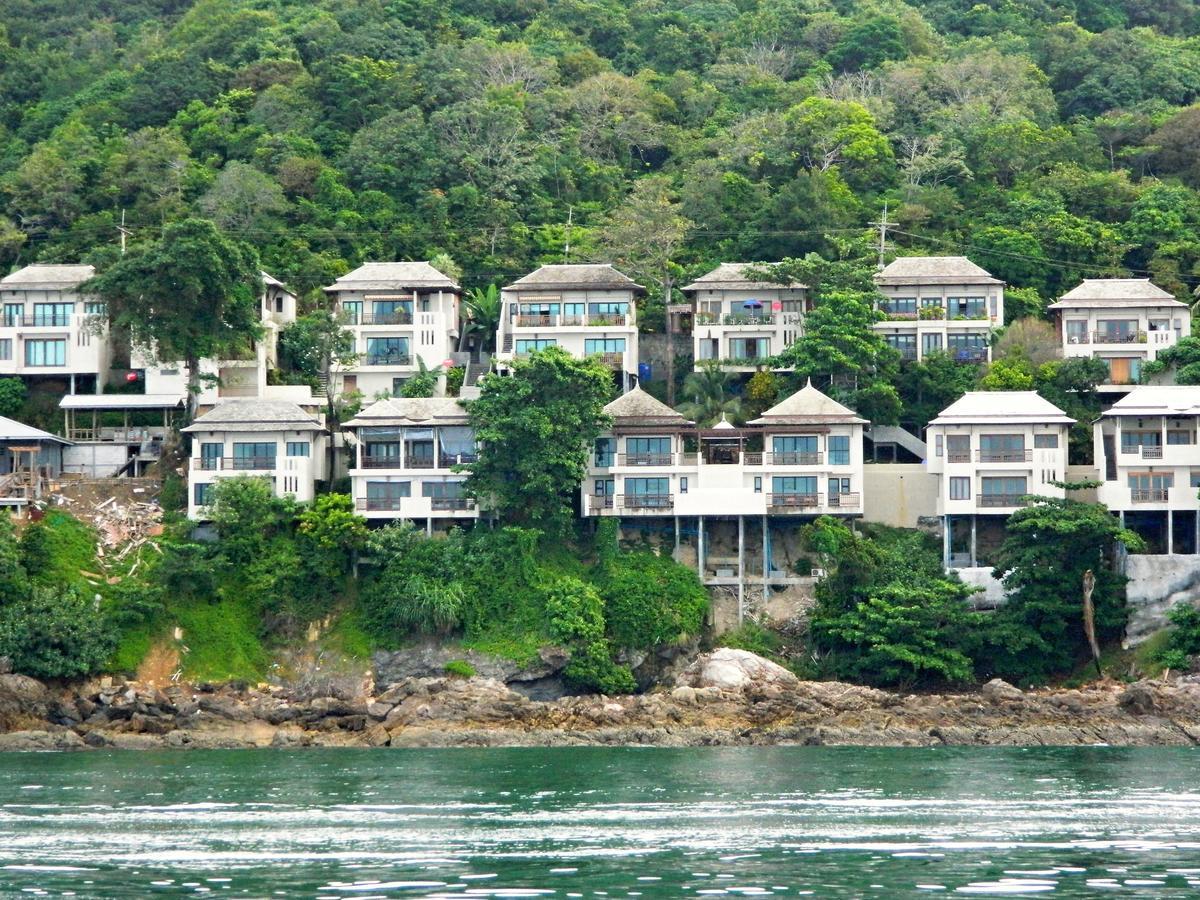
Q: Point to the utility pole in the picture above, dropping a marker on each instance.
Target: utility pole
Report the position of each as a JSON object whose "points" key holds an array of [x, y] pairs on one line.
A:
{"points": [[567, 243], [883, 225], [124, 232]]}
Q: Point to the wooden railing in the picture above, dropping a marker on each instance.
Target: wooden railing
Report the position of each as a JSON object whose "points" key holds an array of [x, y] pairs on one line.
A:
{"points": [[646, 501], [1155, 495], [1004, 456], [793, 501], [1000, 500], [1119, 337]]}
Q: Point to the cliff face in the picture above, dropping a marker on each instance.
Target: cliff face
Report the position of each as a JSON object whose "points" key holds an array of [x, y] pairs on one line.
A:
{"points": [[723, 698]]}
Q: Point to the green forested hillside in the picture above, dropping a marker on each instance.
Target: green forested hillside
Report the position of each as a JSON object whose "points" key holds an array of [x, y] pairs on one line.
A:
{"points": [[1049, 139]]}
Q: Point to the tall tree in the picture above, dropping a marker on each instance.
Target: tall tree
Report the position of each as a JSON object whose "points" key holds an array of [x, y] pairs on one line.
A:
{"points": [[191, 294], [538, 427]]}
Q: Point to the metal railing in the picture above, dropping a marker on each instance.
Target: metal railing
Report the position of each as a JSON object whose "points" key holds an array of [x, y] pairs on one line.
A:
{"points": [[388, 359], [793, 501], [1000, 500], [794, 458], [567, 320], [844, 500], [444, 504], [645, 459], [908, 354], [1004, 456], [601, 501], [968, 355], [900, 316], [235, 463], [399, 317], [1155, 495], [958, 456], [380, 504], [44, 320], [1145, 451], [612, 360], [1119, 337], [646, 501]]}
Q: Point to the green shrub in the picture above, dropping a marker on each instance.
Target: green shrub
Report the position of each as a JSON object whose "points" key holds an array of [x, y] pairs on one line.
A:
{"points": [[1183, 640], [56, 632], [575, 611], [651, 600], [36, 555], [173, 496], [592, 669], [459, 668]]}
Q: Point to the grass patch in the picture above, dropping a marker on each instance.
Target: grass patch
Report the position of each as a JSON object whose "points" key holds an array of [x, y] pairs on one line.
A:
{"points": [[349, 638], [132, 647], [222, 641], [521, 649], [1123, 665], [72, 547]]}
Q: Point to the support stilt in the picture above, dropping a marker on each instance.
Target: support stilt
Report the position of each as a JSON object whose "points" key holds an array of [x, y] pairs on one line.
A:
{"points": [[974, 542], [741, 568]]}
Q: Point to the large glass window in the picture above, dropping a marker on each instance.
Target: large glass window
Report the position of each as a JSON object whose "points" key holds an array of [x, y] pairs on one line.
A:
{"points": [[200, 493], [5, 348], [352, 311], [609, 308], [967, 307], [603, 345], [297, 448], [1116, 331], [605, 448], [1077, 331], [960, 488], [12, 314], [48, 314], [1008, 487], [46, 353], [531, 345], [442, 489], [253, 455], [958, 448], [387, 351], [749, 348], [1150, 487], [210, 455], [648, 451], [418, 448], [1002, 447], [839, 449], [931, 342], [387, 495], [906, 344], [795, 450], [456, 444], [391, 312], [1131, 441], [1045, 442], [643, 493], [794, 484], [899, 306]]}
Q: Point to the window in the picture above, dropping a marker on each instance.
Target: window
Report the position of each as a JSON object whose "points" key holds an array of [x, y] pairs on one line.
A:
{"points": [[899, 306], [603, 345], [46, 353], [1131, 441], [51, 314], [398, 386], [906, 344], [1180, 436], [95, 308], [352, 310], [13, 313], [960, 488], [573, 313], [253, 456], [604, 487], [795, 450], [447, 490], [1150, 487], [931, 342], [1160, 325], [749, 348], [605, 447], [968, 348], [1045, 441], [200, 493], [1002, 448], [387, 351], [647, 493], [1194, 478], [279, 303], [839, 449], [648, 451], [297, 448], [608, 309], [6, 348], [1077, 331], [391, 312], [967, 307], [387, 495], [838, 486], [937, 443], [1003, 491], [531, 345], [758, 484], [683, 485], [958, 448], [210, 455], [1116, 331], [537, 311], [794, 485]]}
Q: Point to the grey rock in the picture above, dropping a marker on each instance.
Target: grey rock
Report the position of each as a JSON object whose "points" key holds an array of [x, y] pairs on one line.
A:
{"points": [[40, 740], [22, 699], [429, 661], [998, 690], [1138, 699]]}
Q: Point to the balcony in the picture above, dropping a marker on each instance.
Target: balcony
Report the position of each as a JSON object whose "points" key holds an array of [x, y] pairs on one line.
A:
{"points": [[380, 504], [600, 501], [399, 317], [612, 360], [644, 502], [387, 359], [907, 354], [234, 463], [38, 320], [1144, 451], [644, 459], [555, 320], [1155, 495], [452, 504], [1004, 456], [844, 501], [1119, 337], [793, 501], [901, 315], [1000, 500], [794, 458], [969, 355]]}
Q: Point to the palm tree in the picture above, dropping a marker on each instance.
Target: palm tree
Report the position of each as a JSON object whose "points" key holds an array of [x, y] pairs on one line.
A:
{"points": [[709, 396], [483, 316]]}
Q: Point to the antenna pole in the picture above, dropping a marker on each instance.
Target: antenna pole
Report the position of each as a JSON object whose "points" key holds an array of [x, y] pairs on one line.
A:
{"points": [[883, 225], [567, 242], [124, 231]]}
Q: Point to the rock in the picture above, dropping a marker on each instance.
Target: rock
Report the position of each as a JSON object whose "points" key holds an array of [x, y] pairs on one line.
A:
{"points": [[23, 701], [539, 680], [40, 740], [684, 694], [5, 665], [998, 690], [1138, 700], [735, 670], [377, 710]]}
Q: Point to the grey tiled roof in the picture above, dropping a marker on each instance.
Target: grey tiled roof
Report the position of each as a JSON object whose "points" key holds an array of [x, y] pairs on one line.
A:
{"points": [[256, 415], [808, 406], [411, 411], [384, 276], [41, 276], [638, 407], [1158, 400], [732, 276], [1010, 407], [597, 276], [934, 269], [12, 430], [1117, 293]]}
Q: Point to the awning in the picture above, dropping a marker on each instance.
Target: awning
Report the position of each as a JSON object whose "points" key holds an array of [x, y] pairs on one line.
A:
{"points": [[120, 401]]}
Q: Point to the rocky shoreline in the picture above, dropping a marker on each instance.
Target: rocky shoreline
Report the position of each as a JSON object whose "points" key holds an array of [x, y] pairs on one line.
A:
{"points": [[724, 698]]}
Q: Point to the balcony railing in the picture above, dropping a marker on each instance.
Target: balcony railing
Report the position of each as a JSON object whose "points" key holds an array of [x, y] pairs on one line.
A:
{"points": [[645, 459], [445, 504], [1004, 456], [646, 501], [566, 320], [1119, 337], [387, 359], [399, 317], [1157, 495], [380, 462], [37, 320], [601, 501], [958, 456], [901, 316], [907, 354], [794, 458], [969, 355], [844, 501], [234, 463], [1000, 500], [793, 501], [380, 504], [612, 360]]}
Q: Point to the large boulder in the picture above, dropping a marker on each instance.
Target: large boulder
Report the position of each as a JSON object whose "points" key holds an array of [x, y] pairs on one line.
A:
{"points": [[23, 700], [735, 670], [540, 680]]}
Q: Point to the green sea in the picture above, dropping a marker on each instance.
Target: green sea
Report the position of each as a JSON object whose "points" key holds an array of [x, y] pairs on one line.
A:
{"points": [[602, 822]]}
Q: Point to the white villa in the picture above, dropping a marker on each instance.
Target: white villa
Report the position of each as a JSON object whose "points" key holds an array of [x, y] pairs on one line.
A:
{"points": [[405, 451], [740, 321], [1146, 452], [989, 450], [49, 330], [401, 314], [588, 310], [272, 439], [1123, 321], [223, 379], [939, 304]]}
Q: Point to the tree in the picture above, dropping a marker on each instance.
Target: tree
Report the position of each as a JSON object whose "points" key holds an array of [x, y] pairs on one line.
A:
{"points": [[1183, 358], [1032, 340], [1011, 374], [537, 428], [1048, 546], [483, 308], [12, 396], [247, 514], [709, 396], [192, 294], [242, 198], [839, 339], [331, 533], [13, 582], [929, 386], [56, 632]]}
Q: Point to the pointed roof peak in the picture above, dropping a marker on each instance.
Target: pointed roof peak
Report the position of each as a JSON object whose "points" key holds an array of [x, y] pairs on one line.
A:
{"points": [[638, 407], [808, 406]]}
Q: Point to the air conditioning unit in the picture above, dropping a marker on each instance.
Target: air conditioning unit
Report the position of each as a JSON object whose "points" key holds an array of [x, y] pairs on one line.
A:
{"points": [[818, 573]]}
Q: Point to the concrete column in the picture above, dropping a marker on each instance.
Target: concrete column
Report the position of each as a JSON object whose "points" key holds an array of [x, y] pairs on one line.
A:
{"points": [[73, 381], [974, 543], [1122, 518], [741, 568], [1196, 523], [766, 550], [429, 526], [700, 547], [946, 542], [677, 537], [1170, 531]]}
